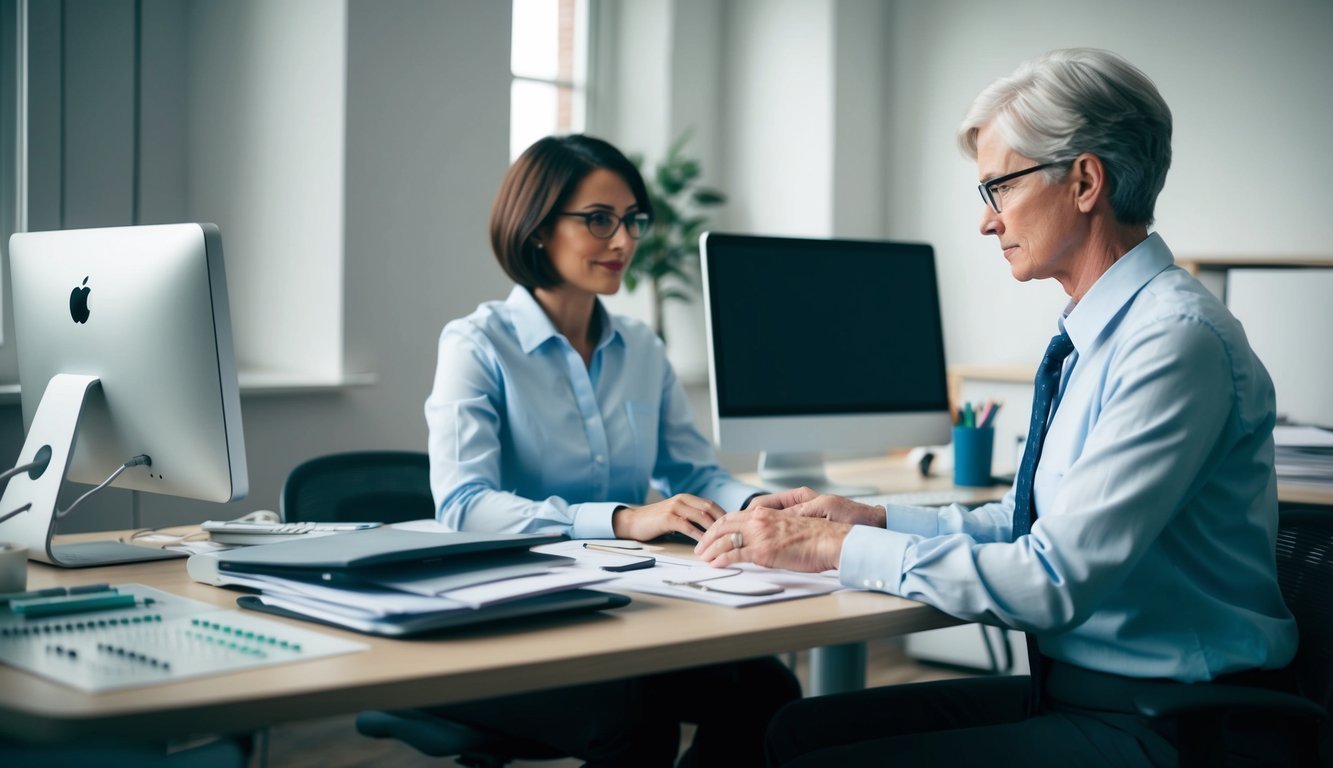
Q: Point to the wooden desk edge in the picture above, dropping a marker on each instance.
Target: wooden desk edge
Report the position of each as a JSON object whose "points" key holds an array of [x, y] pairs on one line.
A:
{"points": [[653, 634]]}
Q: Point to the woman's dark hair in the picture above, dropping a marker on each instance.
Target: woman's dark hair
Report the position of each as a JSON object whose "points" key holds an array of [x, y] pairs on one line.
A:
{"points": [[539, 185]]}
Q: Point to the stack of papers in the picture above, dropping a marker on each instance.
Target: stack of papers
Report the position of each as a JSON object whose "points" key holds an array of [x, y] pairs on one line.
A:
{"points": [[374, 609], [690, 579], [1304, 456], [395, 582]]}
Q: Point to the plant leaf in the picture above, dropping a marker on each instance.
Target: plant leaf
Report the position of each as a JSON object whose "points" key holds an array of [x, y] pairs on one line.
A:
{"points": [[705, 196]]}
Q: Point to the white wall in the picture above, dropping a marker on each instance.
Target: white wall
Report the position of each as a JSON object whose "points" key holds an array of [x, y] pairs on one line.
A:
{"points": [[98, 183], [1249, 87], [661, 69], [860, 133], [427, 127], [777, 73], [266, 117]]}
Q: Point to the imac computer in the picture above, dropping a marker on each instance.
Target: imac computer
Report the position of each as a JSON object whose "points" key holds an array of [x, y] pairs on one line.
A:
{"points": [[125, 358], [822, 345]]}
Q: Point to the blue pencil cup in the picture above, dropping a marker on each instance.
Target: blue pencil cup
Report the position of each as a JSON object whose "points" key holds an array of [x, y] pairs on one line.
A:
{"points": [[972, 449]]}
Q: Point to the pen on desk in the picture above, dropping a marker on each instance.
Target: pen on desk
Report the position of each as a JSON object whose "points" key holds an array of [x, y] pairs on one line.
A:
{"points": [[76, 603], [619, 549], [965, 416]]}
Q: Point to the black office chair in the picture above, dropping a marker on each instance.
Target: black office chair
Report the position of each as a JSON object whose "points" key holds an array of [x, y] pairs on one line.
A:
{"points": [[361, 486], [1207, 717], [390, 487]]}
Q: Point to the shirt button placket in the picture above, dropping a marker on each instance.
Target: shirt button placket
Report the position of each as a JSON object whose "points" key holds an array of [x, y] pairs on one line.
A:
{"points": [[593, 426]]}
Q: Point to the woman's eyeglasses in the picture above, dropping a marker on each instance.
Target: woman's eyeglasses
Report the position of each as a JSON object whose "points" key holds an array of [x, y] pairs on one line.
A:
{"points": [[603, 224]]}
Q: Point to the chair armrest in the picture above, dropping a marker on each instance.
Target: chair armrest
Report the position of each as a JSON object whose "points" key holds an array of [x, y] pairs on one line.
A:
{"points": [[1188, 699]]}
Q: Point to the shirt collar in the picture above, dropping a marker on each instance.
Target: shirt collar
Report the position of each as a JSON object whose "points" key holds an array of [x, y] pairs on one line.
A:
{"points": [[533, 328], [1114, 290]]}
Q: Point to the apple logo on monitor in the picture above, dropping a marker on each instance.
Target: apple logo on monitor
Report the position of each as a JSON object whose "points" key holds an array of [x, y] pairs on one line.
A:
{"points": [[78, 302]]}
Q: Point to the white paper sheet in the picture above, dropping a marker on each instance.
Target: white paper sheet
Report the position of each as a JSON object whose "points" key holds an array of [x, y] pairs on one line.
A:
{"points": [[527, 586], [794, 585], [673, 568], [348, 600]]}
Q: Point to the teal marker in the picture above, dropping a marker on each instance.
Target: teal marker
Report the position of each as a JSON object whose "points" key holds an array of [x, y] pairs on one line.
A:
{"points": [[66, 604]]}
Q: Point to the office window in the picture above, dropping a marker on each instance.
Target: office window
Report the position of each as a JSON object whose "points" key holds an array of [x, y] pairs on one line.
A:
{"points": [[549, 62]]}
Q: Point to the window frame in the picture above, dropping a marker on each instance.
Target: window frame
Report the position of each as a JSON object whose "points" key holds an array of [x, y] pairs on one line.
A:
{"points": [[594, 34]]}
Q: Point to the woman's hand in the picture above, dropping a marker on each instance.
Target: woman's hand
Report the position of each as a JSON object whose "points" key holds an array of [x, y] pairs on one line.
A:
{"points": [[682, 513], [775, 538]]}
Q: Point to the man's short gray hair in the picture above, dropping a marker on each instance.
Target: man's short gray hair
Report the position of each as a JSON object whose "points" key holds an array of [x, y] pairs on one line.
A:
{"points": [[1075, 100]]}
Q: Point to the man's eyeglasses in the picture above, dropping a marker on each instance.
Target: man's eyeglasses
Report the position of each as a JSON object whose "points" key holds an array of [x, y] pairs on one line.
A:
{"points": [[993, 190], [603, 224]]}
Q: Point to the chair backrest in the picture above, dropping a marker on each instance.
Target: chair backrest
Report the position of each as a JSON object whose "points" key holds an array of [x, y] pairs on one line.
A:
{"points": [[365, 486], [1305, 573]]}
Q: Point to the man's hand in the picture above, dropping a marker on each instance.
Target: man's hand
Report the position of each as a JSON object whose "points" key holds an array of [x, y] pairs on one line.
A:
{"points": [[774, 538], [840, 510], [682, 513], [782, 499], [806, 503]]}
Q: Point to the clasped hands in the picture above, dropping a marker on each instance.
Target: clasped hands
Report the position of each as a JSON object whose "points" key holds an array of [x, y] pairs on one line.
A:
{"points": [[798, 529]]}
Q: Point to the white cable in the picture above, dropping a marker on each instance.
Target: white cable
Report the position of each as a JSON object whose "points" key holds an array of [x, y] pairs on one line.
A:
{"points": [[134, 462]]}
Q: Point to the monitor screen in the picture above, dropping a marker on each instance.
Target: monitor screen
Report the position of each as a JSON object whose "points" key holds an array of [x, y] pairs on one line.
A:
{"points": [[124, 350], [820, 345]]}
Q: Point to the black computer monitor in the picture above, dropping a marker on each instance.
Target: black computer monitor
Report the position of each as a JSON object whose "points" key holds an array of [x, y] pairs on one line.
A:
{"points": [[822, 345], [124, 350]]}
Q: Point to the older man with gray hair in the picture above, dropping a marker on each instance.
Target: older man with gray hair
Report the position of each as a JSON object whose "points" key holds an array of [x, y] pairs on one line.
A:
{"points": [[1136, 546]]}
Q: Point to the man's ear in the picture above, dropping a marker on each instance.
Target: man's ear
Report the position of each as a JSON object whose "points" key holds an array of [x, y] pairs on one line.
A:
{"points": [[1088, 177]]}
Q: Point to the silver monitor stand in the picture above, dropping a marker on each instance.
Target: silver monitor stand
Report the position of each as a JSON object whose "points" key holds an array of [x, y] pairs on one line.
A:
{"points": [[54, 430]]}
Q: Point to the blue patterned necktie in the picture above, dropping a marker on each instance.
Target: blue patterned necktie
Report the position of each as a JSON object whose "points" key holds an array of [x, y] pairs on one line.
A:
{"points": [[1048, 382], [1025, 510]]}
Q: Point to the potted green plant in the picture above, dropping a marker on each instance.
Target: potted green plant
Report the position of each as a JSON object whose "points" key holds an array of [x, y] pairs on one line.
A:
{"points": [[667, 256]]}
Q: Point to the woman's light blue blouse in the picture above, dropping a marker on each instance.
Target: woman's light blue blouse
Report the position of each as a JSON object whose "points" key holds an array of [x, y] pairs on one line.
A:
{"points": [[524, 438]]}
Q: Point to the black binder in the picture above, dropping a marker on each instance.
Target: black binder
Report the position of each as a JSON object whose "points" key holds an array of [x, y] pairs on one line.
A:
{"points": [[376, 547]]}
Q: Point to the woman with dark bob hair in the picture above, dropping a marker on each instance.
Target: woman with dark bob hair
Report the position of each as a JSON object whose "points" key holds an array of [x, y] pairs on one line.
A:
{"points": [[549, 414]]}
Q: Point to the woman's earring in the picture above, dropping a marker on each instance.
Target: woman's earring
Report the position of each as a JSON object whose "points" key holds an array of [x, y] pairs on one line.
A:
{"points": [[540, 246]]}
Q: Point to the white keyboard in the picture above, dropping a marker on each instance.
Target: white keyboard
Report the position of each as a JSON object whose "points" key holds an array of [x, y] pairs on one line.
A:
{"points": [[938, 498], [236, 532]]}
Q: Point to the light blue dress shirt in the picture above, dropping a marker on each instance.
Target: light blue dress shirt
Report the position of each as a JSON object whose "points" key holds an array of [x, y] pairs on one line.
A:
{"points": [[524, 438], [1152, 554]]}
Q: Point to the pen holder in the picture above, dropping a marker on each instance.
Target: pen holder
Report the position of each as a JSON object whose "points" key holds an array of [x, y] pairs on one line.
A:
{"points": [[972, 448]]}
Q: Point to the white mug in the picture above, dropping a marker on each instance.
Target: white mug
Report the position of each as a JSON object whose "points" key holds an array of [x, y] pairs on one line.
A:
{"points": [[13, 567]]}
